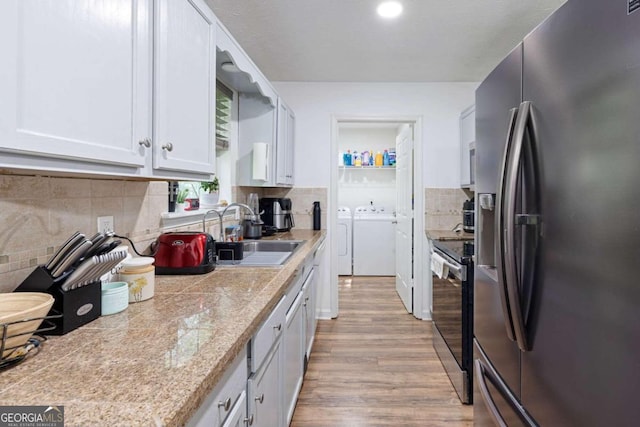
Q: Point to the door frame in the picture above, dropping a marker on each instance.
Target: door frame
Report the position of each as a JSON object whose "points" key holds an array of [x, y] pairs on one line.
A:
{"points": [[419, 239]]}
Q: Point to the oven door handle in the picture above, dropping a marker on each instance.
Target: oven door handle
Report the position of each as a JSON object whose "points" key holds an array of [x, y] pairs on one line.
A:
{"points": [[458, 270]]}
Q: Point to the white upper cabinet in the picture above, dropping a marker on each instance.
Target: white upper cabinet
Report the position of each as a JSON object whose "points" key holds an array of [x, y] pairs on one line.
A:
{"points": [[185, 82], [128, 88], [111, 87], [257, 114], [263, 117], [75, 79], [285, 144], [257, 124], [467, 146]]}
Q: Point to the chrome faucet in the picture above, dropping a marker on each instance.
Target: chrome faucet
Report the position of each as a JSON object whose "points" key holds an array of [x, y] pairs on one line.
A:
{"points": [[254, 218], [204, 217]]}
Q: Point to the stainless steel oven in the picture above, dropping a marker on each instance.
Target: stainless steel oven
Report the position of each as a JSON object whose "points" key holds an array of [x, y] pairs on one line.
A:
{"points": [[452, 311]]}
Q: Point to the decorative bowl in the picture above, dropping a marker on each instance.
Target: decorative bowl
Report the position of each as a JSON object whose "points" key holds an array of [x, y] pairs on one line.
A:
{"points": [[21, 307]]}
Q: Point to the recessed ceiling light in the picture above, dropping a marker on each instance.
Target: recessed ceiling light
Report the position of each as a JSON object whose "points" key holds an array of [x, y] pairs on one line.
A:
{"points": [[389, 9]]}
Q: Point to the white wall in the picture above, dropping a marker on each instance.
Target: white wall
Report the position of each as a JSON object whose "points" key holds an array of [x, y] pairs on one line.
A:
{"points": [[439, 104]]}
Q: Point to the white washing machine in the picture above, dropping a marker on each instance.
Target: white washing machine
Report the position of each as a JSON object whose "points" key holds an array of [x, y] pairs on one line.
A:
{"points": [[345, 241], [374, 241]]}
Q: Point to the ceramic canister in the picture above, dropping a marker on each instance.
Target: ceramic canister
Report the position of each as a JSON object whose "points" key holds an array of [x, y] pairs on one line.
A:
{"points": [[139, 273], [114, 297]]}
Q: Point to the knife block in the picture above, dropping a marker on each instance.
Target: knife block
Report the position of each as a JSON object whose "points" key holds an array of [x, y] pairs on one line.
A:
{"points": [[78, 306]]}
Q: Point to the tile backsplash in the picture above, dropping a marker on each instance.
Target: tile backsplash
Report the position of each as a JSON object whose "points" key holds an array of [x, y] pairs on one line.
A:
{"points": [[38, 213], [443, 207]]}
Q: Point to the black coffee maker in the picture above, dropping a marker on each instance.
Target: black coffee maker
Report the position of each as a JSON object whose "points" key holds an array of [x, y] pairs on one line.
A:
{"points": [[468, 208], [276, 211]]}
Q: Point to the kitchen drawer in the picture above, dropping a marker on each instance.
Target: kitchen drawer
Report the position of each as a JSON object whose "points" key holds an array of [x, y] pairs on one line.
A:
{"points": [[219, 403], [268, 333], [296, 284], [264, 390]]}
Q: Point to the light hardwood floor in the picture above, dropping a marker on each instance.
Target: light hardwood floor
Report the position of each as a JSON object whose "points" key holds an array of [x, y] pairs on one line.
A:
{"points": [[375, 366]]}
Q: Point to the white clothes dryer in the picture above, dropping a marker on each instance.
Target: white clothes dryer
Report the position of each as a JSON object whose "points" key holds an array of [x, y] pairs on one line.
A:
{"points": [[374, 241], [345, 241]]}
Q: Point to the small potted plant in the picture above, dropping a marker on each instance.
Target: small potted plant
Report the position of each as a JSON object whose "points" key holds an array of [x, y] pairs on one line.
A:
{"points": [[209, 193]]}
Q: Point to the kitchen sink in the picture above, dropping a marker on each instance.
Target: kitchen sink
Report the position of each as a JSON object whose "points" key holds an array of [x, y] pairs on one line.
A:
{"points": [[272, 246], [266, 252]]}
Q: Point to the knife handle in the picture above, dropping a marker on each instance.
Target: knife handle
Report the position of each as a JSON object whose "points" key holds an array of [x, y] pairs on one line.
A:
{"points": [[69, 260]]}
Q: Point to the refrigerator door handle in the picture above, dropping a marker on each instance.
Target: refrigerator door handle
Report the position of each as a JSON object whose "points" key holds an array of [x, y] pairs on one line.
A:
{"points": [[499, 228], [481, 374], [513, 286]]}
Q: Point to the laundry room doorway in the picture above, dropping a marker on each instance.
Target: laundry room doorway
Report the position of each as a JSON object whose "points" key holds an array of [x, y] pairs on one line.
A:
{"points": [[367, 197]]}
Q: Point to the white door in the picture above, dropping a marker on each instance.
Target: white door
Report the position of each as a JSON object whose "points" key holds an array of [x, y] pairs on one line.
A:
{"points": [[404, 216], [185, 87], [75, 79]]}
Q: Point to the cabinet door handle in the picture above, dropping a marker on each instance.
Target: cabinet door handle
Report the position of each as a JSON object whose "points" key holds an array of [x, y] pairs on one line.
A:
{"points": [[226, 404], [145, 142], [249, 421], [260, 398], [168, 146], [279, 327]]}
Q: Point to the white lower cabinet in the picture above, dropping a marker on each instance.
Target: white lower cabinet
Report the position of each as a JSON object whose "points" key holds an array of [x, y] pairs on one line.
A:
{"points": [[238, 415], [309, 306], [225, 397], [261, 387], [293, 355], [318, 279], [265, 391], [264, 388]]}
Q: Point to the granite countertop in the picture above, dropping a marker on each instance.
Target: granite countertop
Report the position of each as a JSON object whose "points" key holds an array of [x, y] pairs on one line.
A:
{"points": [[154, 363], [448, 235]]}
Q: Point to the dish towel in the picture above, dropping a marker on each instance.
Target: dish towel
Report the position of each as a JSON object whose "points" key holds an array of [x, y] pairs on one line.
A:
{"points": [[439, 266]]}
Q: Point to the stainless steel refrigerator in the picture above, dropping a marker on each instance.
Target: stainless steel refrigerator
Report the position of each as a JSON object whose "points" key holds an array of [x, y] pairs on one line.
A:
{"points": [[557, 283]]}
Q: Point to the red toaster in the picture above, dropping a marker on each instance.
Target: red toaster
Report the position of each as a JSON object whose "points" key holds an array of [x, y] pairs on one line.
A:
{"points": [[185, 253]]}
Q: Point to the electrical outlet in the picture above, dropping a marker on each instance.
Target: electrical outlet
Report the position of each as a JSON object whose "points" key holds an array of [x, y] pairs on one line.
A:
{"points": [[105, 224]]}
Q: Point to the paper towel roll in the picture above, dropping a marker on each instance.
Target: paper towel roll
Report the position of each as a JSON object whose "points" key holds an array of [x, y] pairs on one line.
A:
{"points": [[260, 155]]}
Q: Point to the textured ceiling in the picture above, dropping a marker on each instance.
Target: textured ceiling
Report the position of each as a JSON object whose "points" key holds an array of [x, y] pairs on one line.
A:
{"points": [[345, 40]]}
